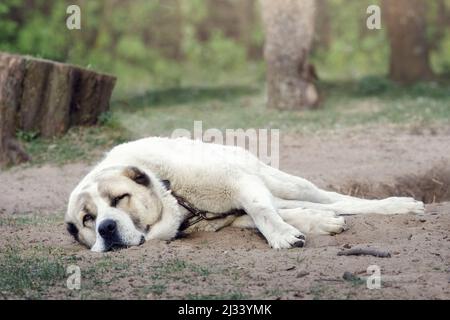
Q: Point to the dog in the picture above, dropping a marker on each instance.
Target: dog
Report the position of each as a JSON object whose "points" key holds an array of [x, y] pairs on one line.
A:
{"points": [[154, 187]]}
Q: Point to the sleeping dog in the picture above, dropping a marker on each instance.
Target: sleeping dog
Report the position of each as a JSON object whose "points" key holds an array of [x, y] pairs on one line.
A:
{"points": [[154, 187]]}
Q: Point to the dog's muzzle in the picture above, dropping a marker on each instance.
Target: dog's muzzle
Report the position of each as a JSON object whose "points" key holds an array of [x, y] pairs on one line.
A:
{"points": [[108, 230]]}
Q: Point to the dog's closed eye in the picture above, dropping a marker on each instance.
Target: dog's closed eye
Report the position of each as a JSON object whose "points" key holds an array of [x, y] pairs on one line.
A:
{"points": [[115, 201], [88, 218]]}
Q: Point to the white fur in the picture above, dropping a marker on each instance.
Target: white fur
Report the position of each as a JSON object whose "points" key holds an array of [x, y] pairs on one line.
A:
{"points": [[220, 178]]}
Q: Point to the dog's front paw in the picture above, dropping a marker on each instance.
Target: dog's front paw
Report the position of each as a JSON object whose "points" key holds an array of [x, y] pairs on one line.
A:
{"points": [[290, 238]]}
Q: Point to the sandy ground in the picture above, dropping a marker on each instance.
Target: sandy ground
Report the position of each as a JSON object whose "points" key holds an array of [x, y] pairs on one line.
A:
{"points": [[235, 263]]}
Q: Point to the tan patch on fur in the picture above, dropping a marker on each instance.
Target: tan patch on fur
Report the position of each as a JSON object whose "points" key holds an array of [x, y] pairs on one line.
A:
{"points": [[84, 205]]}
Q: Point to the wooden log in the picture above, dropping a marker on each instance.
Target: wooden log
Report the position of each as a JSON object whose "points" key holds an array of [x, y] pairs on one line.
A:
{"points": [[56, 108], [48, 97], [34, 95], [12, 70], [91, 98]]}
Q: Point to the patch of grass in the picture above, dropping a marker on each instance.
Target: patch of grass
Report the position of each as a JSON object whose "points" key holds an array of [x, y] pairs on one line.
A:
{"points": [[173, 268], [345, 105], [370, 101], [201, 271], [33, 220], [232, 295], [105, 271], [157, 289], [234, 274], [273, 293], [29, 274], [368, 86], [317, 291], [107, 119], [185, 95], [79, 144], [27, 136]]}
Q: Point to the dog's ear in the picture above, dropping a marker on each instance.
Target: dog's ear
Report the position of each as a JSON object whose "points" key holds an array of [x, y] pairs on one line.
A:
{"points": [[166, 184], [72, 229], [138, 176]]}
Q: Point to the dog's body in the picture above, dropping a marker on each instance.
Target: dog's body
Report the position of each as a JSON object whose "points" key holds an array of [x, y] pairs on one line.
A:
{"points": [[124, 200]]}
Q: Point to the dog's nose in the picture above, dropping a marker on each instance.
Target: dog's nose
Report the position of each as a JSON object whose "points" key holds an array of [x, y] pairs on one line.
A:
{"points": [[107, 229]]}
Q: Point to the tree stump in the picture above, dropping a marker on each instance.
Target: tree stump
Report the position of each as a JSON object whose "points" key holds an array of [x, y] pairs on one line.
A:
{"points": [[46, 98]]}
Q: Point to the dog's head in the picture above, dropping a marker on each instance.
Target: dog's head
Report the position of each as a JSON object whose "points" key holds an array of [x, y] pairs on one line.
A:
{"points": [[121, 206]]}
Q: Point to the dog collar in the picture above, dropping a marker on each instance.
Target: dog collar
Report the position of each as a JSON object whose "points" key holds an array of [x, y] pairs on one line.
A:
{"points": [[196, 215]]}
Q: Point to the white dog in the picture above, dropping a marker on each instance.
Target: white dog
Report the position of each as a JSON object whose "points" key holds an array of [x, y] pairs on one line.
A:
{"points": [[151, 188]]}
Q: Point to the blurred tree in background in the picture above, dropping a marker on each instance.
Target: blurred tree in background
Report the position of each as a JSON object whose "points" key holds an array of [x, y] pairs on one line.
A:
{"points": [[163, 43], [407, 31], [289, 29]]}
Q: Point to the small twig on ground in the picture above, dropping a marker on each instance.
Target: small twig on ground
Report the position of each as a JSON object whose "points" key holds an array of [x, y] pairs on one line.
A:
{"points": [[364, 252]]}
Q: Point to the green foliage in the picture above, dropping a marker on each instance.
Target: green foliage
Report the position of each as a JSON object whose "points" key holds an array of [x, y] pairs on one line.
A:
{"points": [[27, 136], [219, 53], [372, 85], [431, 89], [8, 27], [354, 50], [160, 43], [108, 119]]}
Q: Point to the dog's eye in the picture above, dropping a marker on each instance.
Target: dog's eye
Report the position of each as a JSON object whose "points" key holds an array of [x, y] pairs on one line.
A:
{"points": [[116, 200], [88, 218]]}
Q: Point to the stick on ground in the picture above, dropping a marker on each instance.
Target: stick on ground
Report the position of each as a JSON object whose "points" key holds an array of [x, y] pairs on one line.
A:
{"points": [[365, 252]]}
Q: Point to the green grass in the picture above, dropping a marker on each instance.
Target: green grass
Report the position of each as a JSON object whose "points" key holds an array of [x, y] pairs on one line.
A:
{"points": [[177, 268], [25, 274], [344, 105], [33, 220], [157, 289], [79, 144], [232, 295], [372, 101]]}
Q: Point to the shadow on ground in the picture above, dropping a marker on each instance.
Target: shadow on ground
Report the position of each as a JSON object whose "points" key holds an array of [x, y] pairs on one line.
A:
{"points": [[184, 95]]}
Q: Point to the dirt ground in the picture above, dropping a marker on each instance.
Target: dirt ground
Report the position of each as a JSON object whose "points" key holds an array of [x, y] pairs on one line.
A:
{"points": [[238, 264]]}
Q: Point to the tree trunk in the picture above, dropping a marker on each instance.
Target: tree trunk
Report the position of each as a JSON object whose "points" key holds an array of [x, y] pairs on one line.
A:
{"points": [[322, 38], [289, 31], [247, 16], [406, 28], [47, 98]]}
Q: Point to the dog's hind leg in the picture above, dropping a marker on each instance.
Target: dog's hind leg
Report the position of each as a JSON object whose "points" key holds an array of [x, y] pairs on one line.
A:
{"points": [[308, 221], [288, 187], [358, 206]]}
